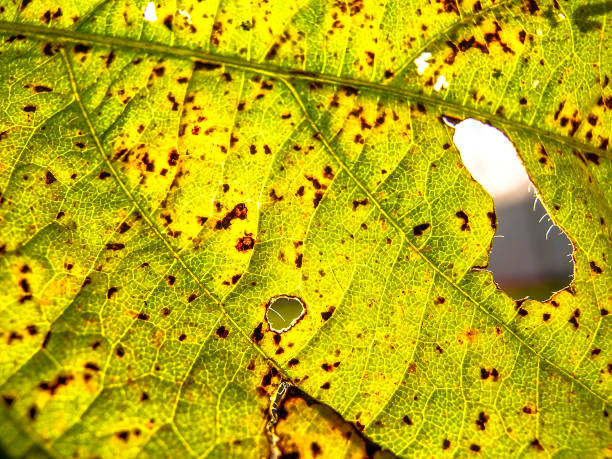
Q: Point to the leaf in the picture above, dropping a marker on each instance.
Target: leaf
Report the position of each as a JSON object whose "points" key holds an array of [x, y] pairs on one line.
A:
{"points": [[163, 181]]}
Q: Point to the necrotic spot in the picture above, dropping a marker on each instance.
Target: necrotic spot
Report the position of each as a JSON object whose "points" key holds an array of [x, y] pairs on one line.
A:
{"points": [[283, 312]]}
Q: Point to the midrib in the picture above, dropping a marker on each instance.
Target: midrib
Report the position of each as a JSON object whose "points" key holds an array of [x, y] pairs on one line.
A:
{"points": [[453, 108]]}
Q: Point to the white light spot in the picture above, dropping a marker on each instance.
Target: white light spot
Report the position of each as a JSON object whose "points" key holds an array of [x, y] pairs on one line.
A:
{"points": [[149, 12], [536, 83], [492, 160], [441, 83], [539, 32], [186, 15], [421, 62], [561, 16]]}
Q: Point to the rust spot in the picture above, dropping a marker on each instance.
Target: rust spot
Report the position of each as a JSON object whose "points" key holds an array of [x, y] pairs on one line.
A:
{"points": [[245, 243], [239, 211]]}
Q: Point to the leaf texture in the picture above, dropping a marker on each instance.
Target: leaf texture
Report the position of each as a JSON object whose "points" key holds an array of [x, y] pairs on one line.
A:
{"points": [[163, 180]]}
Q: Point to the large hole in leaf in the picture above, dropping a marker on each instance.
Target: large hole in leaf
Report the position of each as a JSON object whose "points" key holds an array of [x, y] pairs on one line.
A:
{"points": [[530, 256], [283, 312]]}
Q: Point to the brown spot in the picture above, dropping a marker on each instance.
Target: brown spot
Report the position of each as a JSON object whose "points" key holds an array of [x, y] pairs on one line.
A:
{"points": [[536, 444], [111, 291], [315, 448], [245, 243], [25, 286], [298, 261], [81, 48], [531, 6], [446, 444], [481, 421], [407, 420], [168, 22], [103, 175], [115, 246], [29, 108], [293, 362], [143, 316], [46, 340], [594, 268], [463, 216], [53, 386], [474, 447], [222, 332], [419, 229], [493, 219], [257, 334], [356, 203], [239, 211], [327, 314], [317, 198], [275, 197], [326, 386]]}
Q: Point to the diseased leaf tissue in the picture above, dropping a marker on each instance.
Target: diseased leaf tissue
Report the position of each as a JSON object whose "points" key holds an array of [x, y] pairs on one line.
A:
{"points": [[165, 175]]}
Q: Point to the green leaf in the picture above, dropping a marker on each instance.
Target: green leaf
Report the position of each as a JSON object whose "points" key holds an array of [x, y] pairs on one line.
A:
{"points": [[163, 181]]}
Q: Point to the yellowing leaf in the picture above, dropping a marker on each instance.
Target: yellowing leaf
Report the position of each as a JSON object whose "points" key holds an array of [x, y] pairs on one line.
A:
{"points": [[168, 170]]}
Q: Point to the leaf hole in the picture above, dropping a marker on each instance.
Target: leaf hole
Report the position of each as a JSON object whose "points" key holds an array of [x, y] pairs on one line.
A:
{"points": [[284, 312], [530, 256]]}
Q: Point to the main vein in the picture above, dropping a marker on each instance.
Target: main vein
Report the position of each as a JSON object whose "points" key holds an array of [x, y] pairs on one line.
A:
{"points": [[71, 36]]}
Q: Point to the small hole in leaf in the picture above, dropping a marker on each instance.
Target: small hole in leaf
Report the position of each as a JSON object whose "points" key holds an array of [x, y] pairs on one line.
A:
{"points": [[283, 313], [530, 256]]}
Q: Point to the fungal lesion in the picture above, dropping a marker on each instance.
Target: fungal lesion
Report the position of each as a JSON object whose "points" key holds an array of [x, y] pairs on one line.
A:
{"points": [[283, 312]]}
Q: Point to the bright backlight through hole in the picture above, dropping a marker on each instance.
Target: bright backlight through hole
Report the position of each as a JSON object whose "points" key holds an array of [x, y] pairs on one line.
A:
{"points": [[530, 255]]}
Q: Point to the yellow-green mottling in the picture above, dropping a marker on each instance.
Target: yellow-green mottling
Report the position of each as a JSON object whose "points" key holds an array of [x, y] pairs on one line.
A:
{"points": [[163, 180]]}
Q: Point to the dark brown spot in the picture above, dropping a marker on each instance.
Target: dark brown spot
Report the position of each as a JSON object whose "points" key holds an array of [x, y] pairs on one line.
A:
{"points": [[111, 291], [222, 332], [481, 421], [327, 314], [257, 334], [115, 246], [356, 203], [594, 268], [239, 211], [245, 243], [419, 229], [463, 216], [81, 48]]}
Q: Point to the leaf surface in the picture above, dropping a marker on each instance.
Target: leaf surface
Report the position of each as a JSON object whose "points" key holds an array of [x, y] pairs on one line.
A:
{"points": [[163, 181]]}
